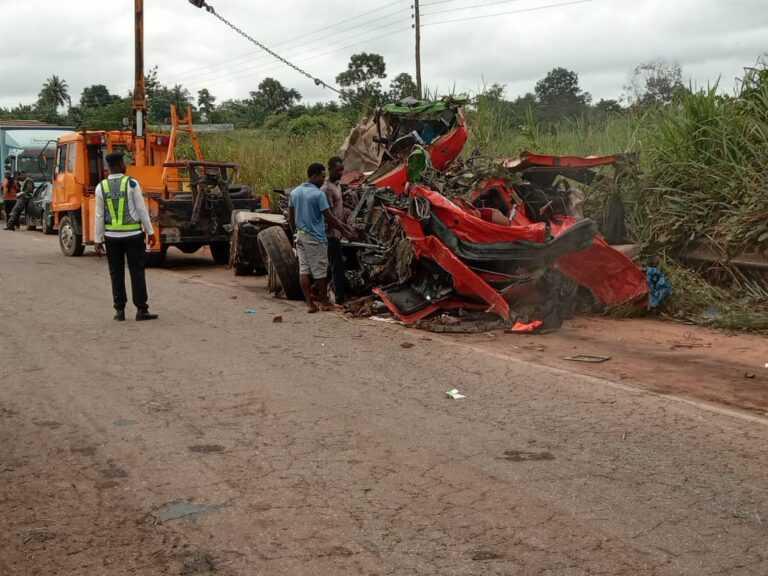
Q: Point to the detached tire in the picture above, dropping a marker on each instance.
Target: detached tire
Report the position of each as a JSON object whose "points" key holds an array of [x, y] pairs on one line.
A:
{"points": [[281, 262], [220, 252], [70, 241]]}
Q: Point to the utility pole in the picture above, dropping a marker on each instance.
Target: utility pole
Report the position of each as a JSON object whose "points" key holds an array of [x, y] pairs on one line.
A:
{"points": [[139, 90], [417, 26]]}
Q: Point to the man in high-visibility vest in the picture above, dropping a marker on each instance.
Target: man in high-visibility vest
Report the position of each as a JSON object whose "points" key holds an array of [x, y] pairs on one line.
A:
{"points": [[122, 220]]}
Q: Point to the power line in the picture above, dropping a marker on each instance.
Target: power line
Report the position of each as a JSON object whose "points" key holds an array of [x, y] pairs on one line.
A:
{"points": [[300, 57], [297, 52], [303, 37], [496, 3], [521, 11], [212, 11], [248, 73]]}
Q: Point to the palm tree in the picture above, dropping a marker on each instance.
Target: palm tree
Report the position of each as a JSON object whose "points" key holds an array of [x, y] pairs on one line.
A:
{"points": [[55, 92]]}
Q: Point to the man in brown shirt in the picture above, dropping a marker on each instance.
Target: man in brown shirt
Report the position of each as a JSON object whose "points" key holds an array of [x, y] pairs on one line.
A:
{"points": [[332, 189]]}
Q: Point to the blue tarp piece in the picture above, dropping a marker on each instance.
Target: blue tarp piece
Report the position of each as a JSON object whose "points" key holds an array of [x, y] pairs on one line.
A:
{"points": [[658, 286]]}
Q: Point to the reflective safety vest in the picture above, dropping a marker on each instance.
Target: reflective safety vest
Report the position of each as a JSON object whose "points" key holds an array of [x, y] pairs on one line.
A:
{"points": [[118, 219]]}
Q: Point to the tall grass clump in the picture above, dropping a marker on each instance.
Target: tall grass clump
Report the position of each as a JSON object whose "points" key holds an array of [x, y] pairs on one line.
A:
{"points": [[271, 159], [705, 161]]}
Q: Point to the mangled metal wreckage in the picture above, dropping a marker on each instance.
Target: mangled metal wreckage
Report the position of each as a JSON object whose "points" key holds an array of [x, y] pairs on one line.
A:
{"points": [[441, 239]]}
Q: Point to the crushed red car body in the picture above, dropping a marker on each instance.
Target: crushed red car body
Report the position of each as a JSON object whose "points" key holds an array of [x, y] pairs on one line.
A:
{"points": [[493, 261]]}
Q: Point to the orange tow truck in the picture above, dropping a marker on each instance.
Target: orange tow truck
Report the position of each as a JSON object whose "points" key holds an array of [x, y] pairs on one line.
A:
{"points": [[190, 202]]}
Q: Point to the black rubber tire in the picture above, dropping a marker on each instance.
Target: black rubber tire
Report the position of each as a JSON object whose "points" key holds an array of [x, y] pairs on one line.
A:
{"points": [[243, 269], [156, 259], [220, 252], [189, 248], [46, 225], [277, 248], [70, 241]]}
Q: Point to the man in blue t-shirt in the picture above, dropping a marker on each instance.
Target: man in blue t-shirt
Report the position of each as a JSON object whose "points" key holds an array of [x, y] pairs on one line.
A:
{"points": [[309, 215]]}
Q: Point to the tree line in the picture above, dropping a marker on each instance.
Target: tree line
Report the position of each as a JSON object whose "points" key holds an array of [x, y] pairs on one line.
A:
{"points": [[273, 105]]}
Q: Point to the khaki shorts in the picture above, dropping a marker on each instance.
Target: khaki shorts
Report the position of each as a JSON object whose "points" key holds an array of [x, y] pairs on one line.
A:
{"points": [[313, 256]]}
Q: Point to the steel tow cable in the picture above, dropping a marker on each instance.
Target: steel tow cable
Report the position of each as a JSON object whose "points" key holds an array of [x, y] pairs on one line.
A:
{"points": [[211, 10]]}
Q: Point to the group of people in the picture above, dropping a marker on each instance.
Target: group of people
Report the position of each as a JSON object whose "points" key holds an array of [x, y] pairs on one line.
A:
{"points": [[316, 216], [17, 191]]}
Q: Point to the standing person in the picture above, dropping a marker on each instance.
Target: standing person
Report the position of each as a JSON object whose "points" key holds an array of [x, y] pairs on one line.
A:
{"points": [[9, 193], [25, 191], [308, 214], [332, 190], [119, 227]]}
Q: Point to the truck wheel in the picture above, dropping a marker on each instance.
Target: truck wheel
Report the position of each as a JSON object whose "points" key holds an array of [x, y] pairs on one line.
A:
{"points": [[156, 259], [46, 223], [70, 241], [243, 269], [284, 266], [220, 252]]}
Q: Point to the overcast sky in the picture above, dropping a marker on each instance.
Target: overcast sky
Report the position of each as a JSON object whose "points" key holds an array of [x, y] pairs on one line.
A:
{"points": [[91, 42]]}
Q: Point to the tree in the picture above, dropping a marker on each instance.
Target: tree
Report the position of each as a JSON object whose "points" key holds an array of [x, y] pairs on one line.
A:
{"points": [[655, 83], [362, 80], [109, 117], [160, 98], [403, 86], [96, 96], [206, 103], [55, 93], [559, 94], [273, 98], [608, 106]]}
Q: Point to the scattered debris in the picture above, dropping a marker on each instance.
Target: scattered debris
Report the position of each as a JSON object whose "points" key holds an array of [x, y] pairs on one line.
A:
{"points": [[523, 328], [659, 287], [277, 320], [588, 358], [122, 423], [178, 510], [455, 394], [407, 345], [206, 448], [37, 536], [198, 564], [523, 456], [251, 311], [750, 376]]}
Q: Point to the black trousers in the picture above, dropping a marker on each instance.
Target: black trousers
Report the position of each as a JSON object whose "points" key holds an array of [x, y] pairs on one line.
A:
{"points": [[8, 206], [336, 261], [133, 250], [19, 206]]}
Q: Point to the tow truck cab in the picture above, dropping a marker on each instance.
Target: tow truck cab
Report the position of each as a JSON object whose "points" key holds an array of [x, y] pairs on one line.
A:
{"points": [[80, 166]]}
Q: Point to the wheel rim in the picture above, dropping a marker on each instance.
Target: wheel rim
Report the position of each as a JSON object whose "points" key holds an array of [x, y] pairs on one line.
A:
{"points": [[67, 237]]}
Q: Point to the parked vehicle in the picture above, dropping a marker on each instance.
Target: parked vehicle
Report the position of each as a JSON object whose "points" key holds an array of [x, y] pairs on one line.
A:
{"points": [[39, 213]]}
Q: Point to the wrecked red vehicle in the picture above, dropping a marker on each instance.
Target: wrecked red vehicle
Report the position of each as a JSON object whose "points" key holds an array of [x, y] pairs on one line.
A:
{"points": [[510, 242]]}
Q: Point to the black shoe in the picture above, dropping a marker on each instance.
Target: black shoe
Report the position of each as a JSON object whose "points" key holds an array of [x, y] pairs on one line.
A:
{"points": [[120, 316], [143, 315], [11, 228]]}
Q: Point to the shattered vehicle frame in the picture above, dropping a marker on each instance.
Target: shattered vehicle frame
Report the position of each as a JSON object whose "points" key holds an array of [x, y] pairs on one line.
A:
{"points": [[376, 151], [511, 244]]}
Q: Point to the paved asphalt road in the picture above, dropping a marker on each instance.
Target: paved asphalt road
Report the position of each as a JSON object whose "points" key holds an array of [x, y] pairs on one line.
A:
{"points": [[220, 442]]}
